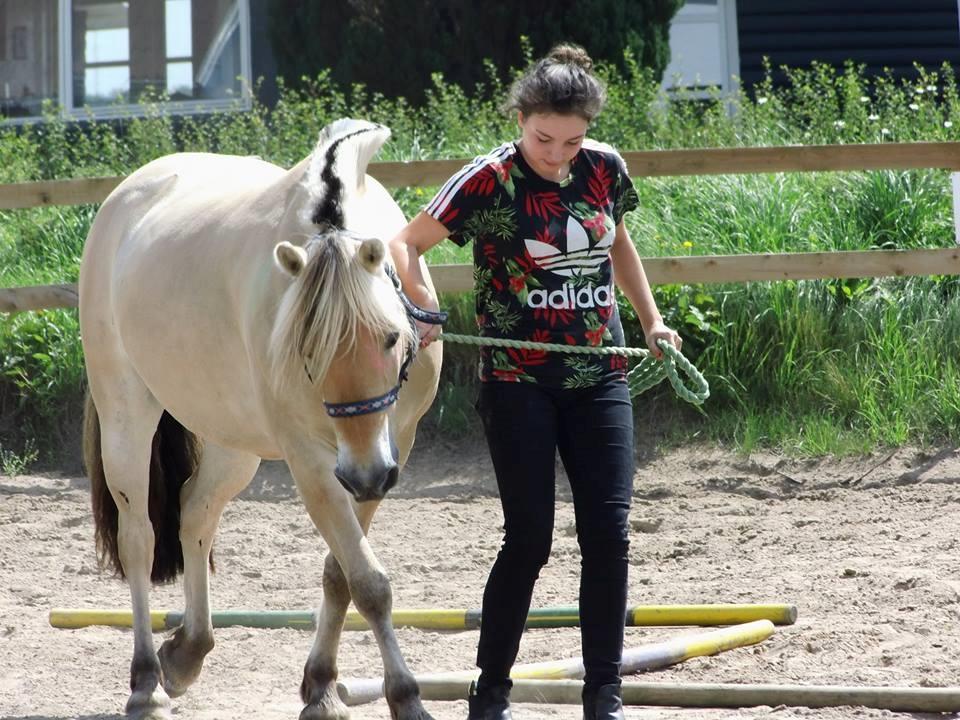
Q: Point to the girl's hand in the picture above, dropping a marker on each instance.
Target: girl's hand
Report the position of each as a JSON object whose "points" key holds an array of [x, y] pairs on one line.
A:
{"points": [[428, 332], [659, 331]]}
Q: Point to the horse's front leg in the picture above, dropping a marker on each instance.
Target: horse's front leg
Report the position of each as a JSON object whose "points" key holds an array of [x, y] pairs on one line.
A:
{"points": [[221, 474], [373, 598], [365, 581], [320, 673]]}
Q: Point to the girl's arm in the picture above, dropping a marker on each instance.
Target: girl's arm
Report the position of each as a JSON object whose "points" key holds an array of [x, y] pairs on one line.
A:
{"points": [[630, 277], [419, 235]]}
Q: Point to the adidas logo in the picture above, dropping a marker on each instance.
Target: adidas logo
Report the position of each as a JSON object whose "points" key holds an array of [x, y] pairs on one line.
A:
{"points": [[580, 259], [570, 297]]}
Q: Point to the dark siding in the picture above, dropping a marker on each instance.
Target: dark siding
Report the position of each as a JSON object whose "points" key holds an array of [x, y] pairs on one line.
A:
{"points": [[881, 34], [261, 52]]}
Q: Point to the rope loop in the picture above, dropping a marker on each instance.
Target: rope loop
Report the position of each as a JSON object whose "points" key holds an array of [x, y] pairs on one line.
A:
{"points": [[645, 374]]}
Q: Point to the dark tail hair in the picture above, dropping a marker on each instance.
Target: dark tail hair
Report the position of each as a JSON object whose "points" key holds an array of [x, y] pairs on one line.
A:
{"points": [[174, 457]]}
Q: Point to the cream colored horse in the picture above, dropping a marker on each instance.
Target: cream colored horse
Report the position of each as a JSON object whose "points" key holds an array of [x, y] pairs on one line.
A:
{"points": [[221, 311]]}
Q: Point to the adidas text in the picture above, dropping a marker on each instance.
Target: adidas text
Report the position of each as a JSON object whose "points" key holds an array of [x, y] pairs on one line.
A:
{"points": [[568, 297]]}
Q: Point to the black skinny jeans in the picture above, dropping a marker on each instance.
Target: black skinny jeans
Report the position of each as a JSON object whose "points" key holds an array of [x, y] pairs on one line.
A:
{"points": [[592, 428]]}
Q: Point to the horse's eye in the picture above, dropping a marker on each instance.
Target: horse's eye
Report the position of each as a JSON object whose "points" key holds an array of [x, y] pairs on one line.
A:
{"points": [[391, 340]]}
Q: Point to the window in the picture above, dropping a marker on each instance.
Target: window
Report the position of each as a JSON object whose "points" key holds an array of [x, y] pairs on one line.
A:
{"points": [[703, 46], [111, 54], [101, 53], [28, 56]]}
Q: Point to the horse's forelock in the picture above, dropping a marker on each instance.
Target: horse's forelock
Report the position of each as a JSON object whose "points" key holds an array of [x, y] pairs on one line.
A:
{"points": [[334, 296]]}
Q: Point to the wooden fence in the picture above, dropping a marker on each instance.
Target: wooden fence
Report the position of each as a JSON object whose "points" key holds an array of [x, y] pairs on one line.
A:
{"points": [[700, 269]]}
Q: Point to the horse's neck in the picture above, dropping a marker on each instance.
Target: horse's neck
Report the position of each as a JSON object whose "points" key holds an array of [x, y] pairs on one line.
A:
{"points": [[295, 224]]}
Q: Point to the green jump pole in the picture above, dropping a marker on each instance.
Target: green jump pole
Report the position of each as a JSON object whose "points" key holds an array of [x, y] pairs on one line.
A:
{"points": [[440, 619]]}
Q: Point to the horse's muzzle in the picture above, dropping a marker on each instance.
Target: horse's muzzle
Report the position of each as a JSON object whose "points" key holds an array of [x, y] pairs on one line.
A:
{"points": [[366, 486]]}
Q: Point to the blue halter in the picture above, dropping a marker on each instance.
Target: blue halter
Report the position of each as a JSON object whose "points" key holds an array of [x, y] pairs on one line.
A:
{"points": [[382, 402]]}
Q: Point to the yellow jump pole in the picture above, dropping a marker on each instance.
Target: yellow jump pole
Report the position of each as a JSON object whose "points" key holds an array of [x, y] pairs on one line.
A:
{"points": [[441, 619], [702, 695], [356, 691], [710, 615]]}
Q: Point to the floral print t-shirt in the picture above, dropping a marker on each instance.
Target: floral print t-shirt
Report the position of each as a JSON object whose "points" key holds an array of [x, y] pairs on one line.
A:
{"points": [[542, 268]]}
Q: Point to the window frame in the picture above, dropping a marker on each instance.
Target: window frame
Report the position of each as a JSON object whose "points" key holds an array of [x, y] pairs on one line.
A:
{"points": [[65, 99]]}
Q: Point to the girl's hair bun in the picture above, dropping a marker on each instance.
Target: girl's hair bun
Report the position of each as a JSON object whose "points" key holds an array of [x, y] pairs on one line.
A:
{"points": [[570, 54]]}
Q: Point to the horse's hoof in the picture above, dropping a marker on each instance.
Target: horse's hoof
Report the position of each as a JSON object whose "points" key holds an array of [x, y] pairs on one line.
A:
{"points": [[149, 706], [182, 661], [330, 708], [411, 710]]}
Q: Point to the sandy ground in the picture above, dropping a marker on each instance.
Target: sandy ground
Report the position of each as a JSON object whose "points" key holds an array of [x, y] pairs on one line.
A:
{"points": [[867, 549]]}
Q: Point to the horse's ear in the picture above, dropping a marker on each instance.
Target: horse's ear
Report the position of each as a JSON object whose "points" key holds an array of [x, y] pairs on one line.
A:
{"points": [[290, 258], [371, 253]]}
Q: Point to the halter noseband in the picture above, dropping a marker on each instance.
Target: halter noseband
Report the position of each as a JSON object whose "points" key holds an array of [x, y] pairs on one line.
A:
{"points": [[382, 402]]}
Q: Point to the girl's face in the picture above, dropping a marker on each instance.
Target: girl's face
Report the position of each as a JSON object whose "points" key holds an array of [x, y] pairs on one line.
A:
{"points": [[550, 141]]}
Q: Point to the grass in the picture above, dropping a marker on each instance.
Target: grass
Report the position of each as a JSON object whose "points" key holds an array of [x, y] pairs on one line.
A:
{"points": [[806, 368]]}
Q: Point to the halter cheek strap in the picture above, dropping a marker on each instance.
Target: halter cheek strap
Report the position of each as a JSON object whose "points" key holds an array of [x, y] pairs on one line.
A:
{"points": [[414, 311]]}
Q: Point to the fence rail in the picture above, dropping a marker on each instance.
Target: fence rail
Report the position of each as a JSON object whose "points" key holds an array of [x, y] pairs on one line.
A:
{"points": [[651, 163], [700, 269], [660, 271]]}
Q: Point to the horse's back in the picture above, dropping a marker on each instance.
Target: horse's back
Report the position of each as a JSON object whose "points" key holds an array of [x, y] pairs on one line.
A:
{"points": [[196, 171], [178, 186]]}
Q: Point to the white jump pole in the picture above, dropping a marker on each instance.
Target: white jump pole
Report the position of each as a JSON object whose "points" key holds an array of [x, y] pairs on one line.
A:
{"points": [[567, 692], [357, 691]]}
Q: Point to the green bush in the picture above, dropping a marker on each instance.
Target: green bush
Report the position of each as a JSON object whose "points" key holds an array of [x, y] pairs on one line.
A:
{"points": [[807, 367]]}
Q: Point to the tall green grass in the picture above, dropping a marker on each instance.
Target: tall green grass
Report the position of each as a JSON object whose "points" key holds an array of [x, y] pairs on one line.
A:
{"points": [[835, 366]]}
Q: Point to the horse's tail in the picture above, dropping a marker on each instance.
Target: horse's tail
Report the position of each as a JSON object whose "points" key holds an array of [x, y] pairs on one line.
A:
{"points": [[174, 457]]}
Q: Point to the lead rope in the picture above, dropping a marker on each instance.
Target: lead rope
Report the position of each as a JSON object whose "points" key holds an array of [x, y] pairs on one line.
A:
{"points": [[644, 375]]}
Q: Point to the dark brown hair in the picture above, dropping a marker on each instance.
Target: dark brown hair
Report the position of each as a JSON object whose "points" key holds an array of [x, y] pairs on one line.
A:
{"points": [[562, 83]]}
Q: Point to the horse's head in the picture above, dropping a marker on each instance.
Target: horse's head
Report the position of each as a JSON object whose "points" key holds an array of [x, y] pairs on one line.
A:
{"points": [[341, 321], [347, 331]]}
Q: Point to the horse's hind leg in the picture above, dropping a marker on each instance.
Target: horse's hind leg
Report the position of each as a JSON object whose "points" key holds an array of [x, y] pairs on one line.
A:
{"points": [[127, 427], [318, 688], [221, 474]]}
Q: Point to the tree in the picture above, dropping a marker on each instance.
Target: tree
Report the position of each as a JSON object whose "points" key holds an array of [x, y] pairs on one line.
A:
{"points": [[393, 46]]}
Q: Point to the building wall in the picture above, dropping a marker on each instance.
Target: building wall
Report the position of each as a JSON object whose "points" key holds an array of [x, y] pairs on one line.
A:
{"points": [[261, 52], [879, 33]]}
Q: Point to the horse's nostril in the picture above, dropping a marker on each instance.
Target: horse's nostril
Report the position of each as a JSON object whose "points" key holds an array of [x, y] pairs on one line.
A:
{"points": [[370, 487], [347, 485], [391, 479]]}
